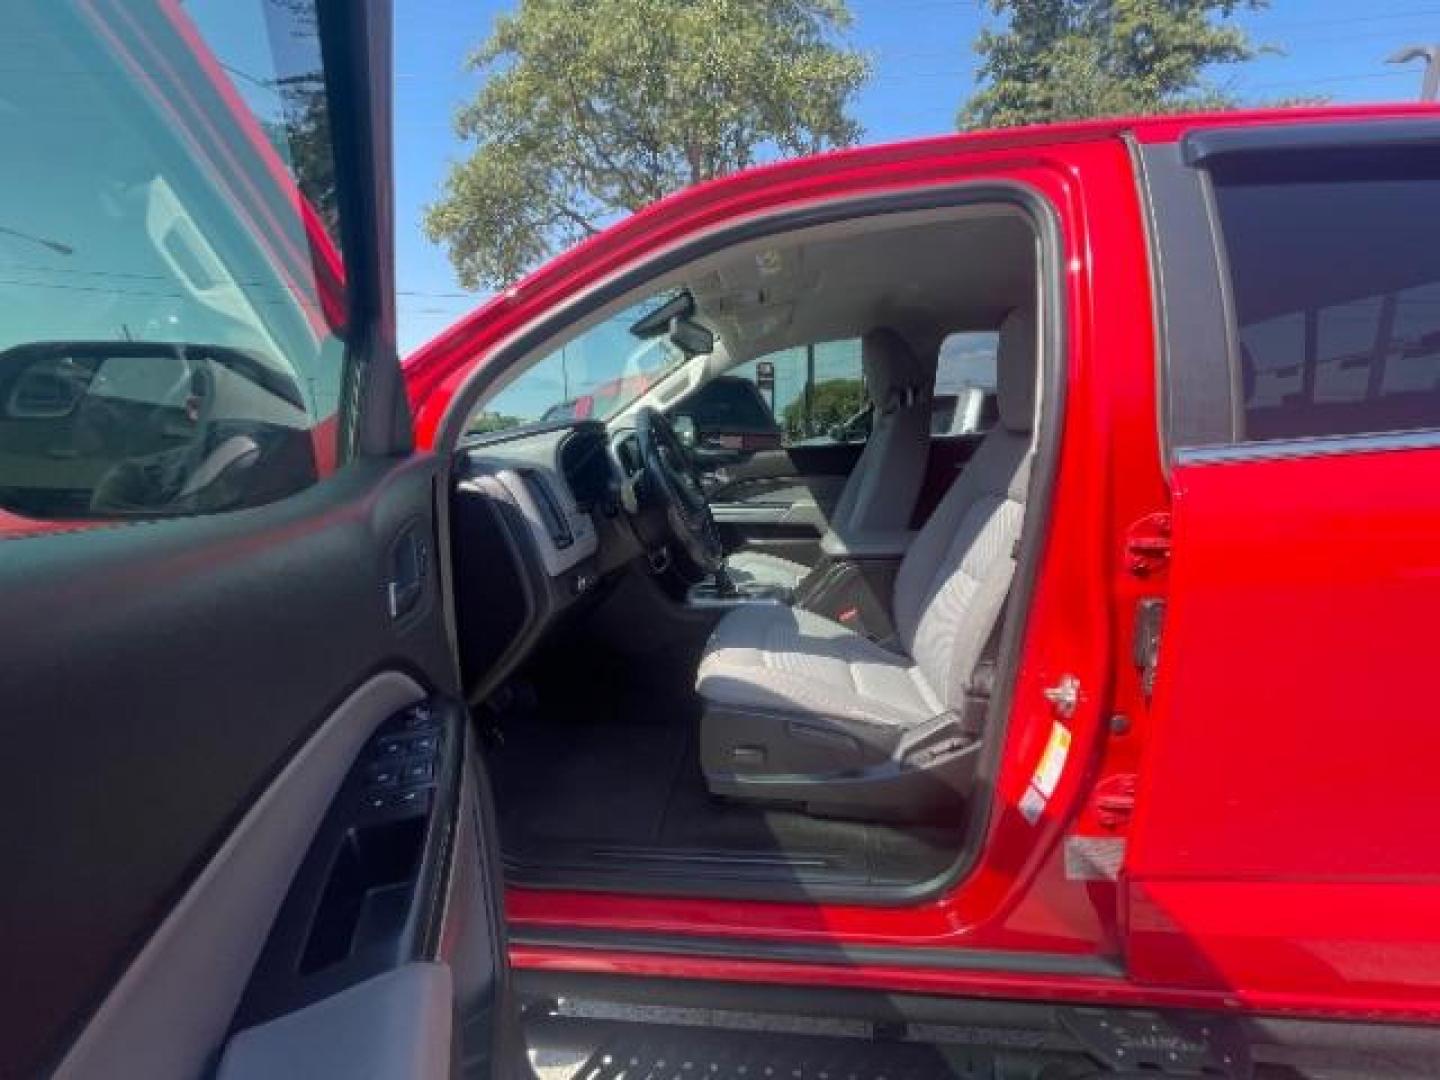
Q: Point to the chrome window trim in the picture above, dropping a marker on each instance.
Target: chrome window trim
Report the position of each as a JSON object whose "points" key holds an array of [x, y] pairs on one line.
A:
{"points": [[1317, 446]]}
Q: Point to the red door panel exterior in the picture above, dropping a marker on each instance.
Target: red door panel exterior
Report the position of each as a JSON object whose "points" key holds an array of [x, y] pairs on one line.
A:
{"points": [[1282, 837]]}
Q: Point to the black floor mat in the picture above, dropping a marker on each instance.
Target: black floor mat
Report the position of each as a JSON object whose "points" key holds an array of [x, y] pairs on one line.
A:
{"points": [[601, 775]]}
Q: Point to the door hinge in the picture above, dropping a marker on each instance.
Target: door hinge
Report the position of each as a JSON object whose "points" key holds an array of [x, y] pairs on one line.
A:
{"points": [[1114, 800], [1147, 545]]}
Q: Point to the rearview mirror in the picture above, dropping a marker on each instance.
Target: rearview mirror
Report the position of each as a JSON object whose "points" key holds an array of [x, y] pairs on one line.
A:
{"points": [[691, 338]]}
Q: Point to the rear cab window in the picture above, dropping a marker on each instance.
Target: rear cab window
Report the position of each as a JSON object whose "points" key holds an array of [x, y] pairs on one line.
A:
{"points": [[1318, 319], [1334, 263]]}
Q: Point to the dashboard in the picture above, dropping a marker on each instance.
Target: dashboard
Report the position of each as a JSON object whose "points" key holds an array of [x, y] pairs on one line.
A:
{"points": [[537, 530]]}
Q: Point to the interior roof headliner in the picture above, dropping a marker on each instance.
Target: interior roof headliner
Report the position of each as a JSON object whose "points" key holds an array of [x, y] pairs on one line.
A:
{"points": [[925, 275]]}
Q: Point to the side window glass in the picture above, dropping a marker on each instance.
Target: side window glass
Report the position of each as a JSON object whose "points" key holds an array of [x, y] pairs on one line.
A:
{"points": [[964, 402], [815, 394], [1335, 275], [595, 375], [173, 294]]}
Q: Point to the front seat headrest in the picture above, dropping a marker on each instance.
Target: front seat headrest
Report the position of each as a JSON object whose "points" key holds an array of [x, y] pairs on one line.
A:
{"points": [[894, 375], [1015, 371]]}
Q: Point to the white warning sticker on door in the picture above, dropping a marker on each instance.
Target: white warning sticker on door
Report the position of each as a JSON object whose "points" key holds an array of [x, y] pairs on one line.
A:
{"points": [[1052, 761]]}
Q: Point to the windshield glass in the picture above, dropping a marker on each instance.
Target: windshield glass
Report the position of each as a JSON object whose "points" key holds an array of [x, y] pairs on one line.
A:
{"points": [[594, 376]]}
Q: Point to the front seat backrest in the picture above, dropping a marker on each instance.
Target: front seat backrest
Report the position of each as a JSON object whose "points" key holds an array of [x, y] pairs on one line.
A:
{"points": [[951, 587], [880, 495]]}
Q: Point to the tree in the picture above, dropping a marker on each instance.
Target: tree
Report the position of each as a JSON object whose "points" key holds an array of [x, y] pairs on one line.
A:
{"points": [[831, 402], [596, 108], [487, 422], [1069, 59]]}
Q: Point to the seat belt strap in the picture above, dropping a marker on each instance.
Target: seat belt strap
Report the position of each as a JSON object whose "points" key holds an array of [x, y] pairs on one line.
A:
{"points": [[980, 687]]}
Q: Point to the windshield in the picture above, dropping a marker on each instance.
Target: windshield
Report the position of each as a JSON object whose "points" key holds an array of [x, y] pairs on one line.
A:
{"points": [[594, 376]]}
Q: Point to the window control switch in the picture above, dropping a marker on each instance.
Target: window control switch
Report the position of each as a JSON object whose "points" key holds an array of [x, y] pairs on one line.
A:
{"points": [[392, 746], [418, 772], [383, 774]]}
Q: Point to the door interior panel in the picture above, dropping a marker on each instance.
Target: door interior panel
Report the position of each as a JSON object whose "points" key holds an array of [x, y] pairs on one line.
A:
{"points": [[198, 960], [779, 501], [370, 893], [395, 1026], [163, 677]]}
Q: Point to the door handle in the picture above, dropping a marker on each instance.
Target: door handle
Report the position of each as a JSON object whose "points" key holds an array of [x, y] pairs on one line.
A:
{"points": [[409, 567]]}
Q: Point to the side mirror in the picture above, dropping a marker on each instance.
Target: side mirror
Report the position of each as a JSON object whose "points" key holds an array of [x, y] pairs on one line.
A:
{"points": [[112, 429], [686, 431]]}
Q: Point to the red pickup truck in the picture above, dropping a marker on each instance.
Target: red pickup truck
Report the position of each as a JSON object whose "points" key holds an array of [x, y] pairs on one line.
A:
{"points": [[1099, 736]]}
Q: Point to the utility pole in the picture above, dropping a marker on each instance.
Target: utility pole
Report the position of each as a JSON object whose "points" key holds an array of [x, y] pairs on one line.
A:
{"points": [[810, 390], [1430, 84]]}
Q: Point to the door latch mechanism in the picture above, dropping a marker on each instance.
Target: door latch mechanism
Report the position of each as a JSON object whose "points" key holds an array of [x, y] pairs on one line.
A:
{"points": [[1064, 696]]}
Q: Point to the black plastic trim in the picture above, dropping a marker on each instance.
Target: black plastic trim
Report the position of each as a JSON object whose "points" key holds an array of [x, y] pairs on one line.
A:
{"points": [[813, 953], [1313, 446], [1205, 146], [810, 1001], [1050, 279], [355, 41], [1196, 386]]}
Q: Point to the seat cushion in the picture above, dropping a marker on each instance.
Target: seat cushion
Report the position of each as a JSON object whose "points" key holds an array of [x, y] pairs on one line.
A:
{"points": [[781, 659], [756, 568]]}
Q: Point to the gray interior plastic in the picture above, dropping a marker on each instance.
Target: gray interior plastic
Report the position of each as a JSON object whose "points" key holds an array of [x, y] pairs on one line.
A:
{"points": [[396, 1026], [869, 544]]}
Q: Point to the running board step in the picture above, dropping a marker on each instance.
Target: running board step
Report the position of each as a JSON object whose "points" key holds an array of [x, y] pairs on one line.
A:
{"points": [[1161, 1044], [626, 1050]]}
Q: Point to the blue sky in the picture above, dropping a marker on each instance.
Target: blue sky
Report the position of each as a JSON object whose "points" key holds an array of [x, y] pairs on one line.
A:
{"points": [[923, 67]]}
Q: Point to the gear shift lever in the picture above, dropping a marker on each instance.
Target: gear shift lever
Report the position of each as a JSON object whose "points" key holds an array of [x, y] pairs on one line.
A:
{"points": [[725, 586]]}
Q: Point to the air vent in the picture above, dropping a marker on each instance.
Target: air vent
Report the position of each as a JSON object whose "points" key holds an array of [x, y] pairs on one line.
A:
{"points": [[550, 512]]}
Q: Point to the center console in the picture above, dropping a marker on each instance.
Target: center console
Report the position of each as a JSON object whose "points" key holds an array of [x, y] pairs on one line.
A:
{"points": [[722, 592], [853, 584]]}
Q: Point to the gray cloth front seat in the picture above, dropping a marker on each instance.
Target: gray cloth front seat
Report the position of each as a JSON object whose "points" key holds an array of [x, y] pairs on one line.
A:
{"points": [[880, 494], [800, 709]]}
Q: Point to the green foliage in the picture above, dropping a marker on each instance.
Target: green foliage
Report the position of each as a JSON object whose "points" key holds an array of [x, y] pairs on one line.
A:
{"points": [[594, 108], [1070, 59], [832, 402], [485, 423]]}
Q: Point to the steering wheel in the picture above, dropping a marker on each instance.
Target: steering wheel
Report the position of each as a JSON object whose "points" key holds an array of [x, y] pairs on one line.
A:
{"points": [[670, 484]]}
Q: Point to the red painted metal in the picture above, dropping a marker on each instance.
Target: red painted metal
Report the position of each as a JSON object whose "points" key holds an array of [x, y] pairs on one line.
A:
{"points": [[1197, 916], [1281, 833]]}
